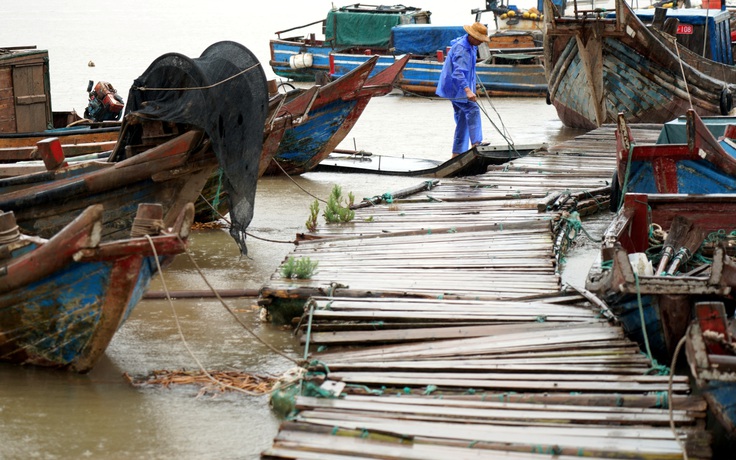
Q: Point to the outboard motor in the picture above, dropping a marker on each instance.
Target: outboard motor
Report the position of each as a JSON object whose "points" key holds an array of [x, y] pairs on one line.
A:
{"points": [[104, 102]]}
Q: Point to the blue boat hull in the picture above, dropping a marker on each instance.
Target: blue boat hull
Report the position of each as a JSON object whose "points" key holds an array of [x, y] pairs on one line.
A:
{"points": [[53, 322], [419, 75]]}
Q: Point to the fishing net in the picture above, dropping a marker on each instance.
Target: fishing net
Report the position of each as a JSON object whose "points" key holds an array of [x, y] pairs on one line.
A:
{"points": [[223, 92]]}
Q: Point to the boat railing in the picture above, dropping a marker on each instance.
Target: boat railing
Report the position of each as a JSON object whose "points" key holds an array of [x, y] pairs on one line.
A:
{"points": [[321, 21]]}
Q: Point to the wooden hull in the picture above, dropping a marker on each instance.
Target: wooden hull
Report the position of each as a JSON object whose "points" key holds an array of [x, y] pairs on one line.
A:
{"points": [[599, 67], [665, 302], [74, 141], [474, 161], [336, 109], [172, 174], [419, 76], [62, 300], [700, 165], [716, 378]]}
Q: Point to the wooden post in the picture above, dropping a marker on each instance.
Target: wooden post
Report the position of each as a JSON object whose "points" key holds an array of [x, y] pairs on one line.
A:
{"points": [[51, 153]]}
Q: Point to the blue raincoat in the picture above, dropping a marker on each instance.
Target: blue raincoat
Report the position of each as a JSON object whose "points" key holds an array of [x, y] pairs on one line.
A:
{"points": [[458, 73]]}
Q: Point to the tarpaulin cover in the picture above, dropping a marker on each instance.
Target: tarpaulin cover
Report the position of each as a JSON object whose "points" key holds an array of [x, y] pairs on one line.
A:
{"points": [[423, 38], [230, 104], [360, 29]]}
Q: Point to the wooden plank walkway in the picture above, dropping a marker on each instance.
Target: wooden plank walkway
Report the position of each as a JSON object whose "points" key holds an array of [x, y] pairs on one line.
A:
{"points": [[439, 321]]}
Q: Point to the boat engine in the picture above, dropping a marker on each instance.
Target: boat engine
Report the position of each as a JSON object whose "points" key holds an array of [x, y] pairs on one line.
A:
{"points": [[104, 102]]}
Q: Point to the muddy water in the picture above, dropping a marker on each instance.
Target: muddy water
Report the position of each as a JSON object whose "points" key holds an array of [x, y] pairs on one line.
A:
{"points": [[100, 415]]}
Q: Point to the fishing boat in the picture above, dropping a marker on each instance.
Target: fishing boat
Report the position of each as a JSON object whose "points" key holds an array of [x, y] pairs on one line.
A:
{"points": [[711, 354], [474, 161], [174, 135], [63, 299], [511, 65], [335, 109], [655, 280], [699, 163], [599, 65], [27, 117]]}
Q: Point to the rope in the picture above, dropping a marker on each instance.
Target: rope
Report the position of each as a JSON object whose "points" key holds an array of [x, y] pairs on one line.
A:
{"points": [[669, 396], [232, 313], [181, 332], [292, 179], [251, 235], [143, 88]]}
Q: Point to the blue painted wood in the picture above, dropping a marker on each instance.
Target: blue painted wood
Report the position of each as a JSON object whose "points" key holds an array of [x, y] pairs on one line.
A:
{"points": [[51, 321], [507, 78], [300, 143], [627, 311]]}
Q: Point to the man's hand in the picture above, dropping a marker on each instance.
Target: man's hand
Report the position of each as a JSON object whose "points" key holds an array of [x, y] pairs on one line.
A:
{"points": [[470, 95]]}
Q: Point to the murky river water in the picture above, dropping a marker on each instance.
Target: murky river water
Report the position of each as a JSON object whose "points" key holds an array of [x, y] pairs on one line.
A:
{"points": [[59, 415]]}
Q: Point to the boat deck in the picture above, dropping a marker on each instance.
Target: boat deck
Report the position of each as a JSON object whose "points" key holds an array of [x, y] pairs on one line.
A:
{"points": [[439, 317]]}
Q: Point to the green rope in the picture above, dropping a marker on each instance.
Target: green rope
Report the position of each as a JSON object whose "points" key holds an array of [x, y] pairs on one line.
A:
{"points": [[366, 389], [661, 370], [216, 199], [312, 303], [388, 197]]}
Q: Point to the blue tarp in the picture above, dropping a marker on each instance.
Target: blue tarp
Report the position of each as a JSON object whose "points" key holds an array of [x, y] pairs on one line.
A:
{"points": [[423, 38]]}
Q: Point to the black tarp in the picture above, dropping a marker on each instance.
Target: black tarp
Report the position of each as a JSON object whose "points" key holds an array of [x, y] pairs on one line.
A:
{"points": [[225, 93]]}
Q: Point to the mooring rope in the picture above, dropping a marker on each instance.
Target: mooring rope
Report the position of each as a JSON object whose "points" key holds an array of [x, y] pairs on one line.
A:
{"points": [[251, 235], [292, 179], [181, 331], [669, 396], [230, 310]]}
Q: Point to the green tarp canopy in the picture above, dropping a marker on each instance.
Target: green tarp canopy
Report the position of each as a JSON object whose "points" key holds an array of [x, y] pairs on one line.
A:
{"points": [[362, 29]]}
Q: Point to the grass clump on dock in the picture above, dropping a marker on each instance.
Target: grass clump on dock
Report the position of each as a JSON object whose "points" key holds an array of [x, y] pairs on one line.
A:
{"points": [[335, 211], [313, 213], [302, 268]]}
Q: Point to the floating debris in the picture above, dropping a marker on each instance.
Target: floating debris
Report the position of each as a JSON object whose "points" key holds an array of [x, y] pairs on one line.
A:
{"points": [[212, 382]]}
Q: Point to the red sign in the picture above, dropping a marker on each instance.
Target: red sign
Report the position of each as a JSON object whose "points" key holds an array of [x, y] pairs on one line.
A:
{"points": [[684, 29]]}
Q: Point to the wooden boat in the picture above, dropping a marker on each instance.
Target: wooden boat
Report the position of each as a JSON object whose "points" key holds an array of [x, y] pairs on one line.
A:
{"points": [[333, 113], [701, 164], [171, 142], [474, 161], [511, 65], [664, 298], [27, 116], [711, 354], [63, 299], [598, 66]]}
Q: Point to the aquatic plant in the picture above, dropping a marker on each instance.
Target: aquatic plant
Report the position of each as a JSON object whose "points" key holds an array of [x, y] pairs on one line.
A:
{"points": [[335, 211], [313, 213], [302, 268]]}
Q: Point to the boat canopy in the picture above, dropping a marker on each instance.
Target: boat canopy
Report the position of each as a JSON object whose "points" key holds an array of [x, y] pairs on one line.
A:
{"points": [[368, 28], [423, 38]]}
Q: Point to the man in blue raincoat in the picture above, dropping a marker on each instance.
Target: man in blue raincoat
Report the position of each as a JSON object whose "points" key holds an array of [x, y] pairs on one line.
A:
{"points": [[457, 83]]}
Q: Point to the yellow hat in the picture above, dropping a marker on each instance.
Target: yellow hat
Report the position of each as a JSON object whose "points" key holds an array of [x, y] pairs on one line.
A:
{"points": [[478, 31]]}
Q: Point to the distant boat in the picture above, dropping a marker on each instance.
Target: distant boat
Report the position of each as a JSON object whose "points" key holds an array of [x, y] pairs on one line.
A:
{"points": [[27, 117], [511, 65], [628, 277], [63, 299], [598, 65], [697, 163]]}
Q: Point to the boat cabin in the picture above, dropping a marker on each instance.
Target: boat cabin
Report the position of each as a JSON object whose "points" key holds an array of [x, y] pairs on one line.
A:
{"points": [[25, 102], [368, 26], [703, 31]]}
